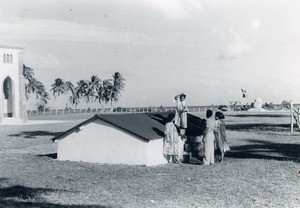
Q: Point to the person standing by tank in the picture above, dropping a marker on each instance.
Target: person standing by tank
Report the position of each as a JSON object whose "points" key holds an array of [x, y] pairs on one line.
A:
{"points": [[183, 109], [171, 149], [220, 135], [177, 110], [209, 139]]}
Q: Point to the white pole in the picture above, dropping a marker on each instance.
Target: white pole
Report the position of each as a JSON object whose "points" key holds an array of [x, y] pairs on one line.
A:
{"points": [[292, 119]]}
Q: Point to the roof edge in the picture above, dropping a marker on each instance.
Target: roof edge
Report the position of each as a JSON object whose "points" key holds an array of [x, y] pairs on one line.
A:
{"points": [[96, 116], [75, 127]]}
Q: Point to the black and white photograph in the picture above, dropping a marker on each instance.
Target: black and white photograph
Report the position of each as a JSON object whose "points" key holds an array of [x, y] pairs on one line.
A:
{"points": [[149, 103]]}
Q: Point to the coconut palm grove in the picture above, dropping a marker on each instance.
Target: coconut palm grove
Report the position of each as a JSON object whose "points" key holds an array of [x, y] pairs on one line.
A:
{"points": [[93, 90]]}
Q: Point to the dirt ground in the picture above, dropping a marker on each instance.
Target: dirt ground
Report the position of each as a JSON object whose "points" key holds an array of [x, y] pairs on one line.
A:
{"points": [[261, 170]]}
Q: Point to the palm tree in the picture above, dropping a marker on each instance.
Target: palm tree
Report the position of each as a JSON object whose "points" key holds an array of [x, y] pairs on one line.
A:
{"points": [[32, 85], [69, 86], [118, 81], [58, 87], [103, 94], [117, 87], [100, 94], [44, 98], [94, 83], [93, 86], [73, 98], [28, 72], [83, 87], [108, 89]]}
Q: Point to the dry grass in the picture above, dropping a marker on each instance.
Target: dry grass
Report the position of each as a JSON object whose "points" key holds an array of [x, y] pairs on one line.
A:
{"points": [[262, 170]]}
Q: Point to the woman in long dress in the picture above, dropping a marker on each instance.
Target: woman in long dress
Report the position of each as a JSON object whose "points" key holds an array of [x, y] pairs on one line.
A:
{"points": [[171, 148], [177, 111], [208, 139], [220, 134], [183, 109]]}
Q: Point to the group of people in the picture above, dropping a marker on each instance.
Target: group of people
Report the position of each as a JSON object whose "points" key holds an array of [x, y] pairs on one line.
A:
{"points": [[175, 131], [214, 137]]}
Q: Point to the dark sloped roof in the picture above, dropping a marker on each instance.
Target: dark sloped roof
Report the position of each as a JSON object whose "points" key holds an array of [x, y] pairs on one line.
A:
{"points": [[146, 126]]}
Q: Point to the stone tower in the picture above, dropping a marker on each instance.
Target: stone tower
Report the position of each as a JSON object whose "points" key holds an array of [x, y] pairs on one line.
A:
{"points": [[12, 86]]}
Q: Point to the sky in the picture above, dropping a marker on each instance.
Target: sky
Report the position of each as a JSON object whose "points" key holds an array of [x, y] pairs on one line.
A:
{"points": [[206, 49]]}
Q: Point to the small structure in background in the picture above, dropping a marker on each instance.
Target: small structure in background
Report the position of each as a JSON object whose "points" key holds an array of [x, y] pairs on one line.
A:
{"points": [[269, 106], [133, 138], [235, 105], [257, 106], [12, 86], [223, 107]]}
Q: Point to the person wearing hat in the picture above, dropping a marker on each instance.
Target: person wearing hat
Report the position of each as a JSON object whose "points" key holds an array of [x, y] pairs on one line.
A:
{"points": [[183, 109], [220, 135]]}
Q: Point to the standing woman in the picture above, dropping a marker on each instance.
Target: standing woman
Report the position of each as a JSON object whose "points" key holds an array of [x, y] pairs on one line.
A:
{"points": [[221, 141], [183, 114], [208, 139], [177, 110], [171, 142]]}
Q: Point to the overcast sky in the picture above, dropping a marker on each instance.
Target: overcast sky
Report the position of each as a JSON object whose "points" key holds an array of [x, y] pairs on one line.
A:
{"points": [[206, 49]]}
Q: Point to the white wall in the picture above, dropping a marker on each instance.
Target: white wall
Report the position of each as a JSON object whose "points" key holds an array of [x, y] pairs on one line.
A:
{"points": [[102, 143], [11, 70], [155, 153]]}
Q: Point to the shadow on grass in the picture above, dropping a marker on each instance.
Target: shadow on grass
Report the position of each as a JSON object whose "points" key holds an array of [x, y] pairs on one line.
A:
{"points": [[259, 115], [21, 196], [21, 192], [51, 155], [15, 204], [3, 179], [259, 127], [34, 134], [260, 149]]}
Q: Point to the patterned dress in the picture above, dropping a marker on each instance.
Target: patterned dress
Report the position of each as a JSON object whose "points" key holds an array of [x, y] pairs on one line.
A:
{"points": [[171, 140], [221, 141]]}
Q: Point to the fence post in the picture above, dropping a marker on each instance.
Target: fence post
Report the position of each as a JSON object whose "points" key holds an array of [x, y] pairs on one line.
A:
{"points": [[292, 119], [298, 116]]}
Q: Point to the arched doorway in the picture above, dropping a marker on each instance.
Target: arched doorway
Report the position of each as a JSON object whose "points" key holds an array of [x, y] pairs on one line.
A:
{"points": [[7, 98]]}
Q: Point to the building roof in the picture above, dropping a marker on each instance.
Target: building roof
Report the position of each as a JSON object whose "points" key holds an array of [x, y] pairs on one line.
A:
{"points": [[146, 126]]}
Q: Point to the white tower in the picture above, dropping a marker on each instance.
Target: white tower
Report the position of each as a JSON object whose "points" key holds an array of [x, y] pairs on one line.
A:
{"points": [[12, 86]]}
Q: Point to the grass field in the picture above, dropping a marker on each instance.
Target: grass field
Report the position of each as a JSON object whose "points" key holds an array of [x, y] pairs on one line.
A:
{"points": [[261, 170]]}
